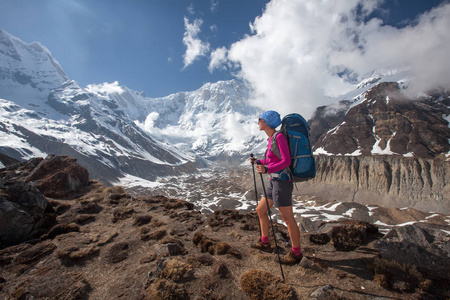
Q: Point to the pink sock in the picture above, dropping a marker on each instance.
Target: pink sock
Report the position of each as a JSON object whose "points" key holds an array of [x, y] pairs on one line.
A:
{"points": [[264, 239], [297, 251]]}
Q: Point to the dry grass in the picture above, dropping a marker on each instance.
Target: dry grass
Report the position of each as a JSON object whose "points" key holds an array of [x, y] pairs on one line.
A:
{"points": [[258, 284], [393, 275]]}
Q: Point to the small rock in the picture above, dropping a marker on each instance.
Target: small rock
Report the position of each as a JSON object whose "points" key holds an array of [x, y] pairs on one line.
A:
{"points": [[319, 238], [307, 263], [223, 271], [171, 249], [322, 292]]}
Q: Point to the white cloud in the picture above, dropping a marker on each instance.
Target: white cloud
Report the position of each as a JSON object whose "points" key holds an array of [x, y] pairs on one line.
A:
{"points": [[204, 129], [190, 9], [236, 130], [300, 50], [194, 46], [214, 4], [105, 88], [149, 123], [213, 28], [218, 59]]}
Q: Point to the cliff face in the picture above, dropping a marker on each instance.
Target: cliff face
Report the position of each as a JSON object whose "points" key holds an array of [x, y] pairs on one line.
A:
{"points": [[383, 180]]}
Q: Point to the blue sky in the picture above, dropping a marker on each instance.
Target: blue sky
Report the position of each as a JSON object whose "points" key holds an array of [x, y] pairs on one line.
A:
{"points": [[288, 51], [138, 43]]}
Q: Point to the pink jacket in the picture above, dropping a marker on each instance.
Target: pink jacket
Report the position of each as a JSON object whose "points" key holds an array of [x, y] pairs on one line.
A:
{"points": [[274, 164]]}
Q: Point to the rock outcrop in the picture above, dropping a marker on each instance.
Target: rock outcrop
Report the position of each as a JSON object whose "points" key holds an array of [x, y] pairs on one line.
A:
{"points": [[24, 210], [418, 245], [24, 213], [57, 176]]}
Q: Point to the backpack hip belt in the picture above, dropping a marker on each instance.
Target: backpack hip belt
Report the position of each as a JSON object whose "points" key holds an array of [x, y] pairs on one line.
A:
{"points": [[278, 175]]}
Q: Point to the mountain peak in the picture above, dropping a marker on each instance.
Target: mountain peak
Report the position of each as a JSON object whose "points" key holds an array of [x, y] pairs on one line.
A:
{"points": [[27, 71], [385, 122]]}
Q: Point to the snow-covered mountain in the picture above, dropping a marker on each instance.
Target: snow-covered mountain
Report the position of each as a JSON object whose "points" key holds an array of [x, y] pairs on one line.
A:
{"points": [[117, 133], [212, 121], [112, 130], [27, 71]]}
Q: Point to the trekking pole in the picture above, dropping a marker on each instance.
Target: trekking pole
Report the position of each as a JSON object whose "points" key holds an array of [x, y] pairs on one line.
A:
{"points": [[256, 192], [271, 223]]}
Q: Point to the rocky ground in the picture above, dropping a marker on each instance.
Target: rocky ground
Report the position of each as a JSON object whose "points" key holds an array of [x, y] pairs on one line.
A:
{"points": [[100, 242]]}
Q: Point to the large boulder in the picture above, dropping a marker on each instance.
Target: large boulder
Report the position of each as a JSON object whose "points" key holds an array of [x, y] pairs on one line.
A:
{"points": [[24, 210], [58, 176], [426, 247], [24, 213]]}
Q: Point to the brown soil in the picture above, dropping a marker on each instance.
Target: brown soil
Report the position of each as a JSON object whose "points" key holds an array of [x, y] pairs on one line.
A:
{"points": [[109, 245]]}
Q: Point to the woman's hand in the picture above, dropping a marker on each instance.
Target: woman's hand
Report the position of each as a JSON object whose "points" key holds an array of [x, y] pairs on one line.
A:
{"points": [[261, 169]]}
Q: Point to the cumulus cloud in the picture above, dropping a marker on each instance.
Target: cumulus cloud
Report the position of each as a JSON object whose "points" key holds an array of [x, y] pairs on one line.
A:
{"points": [[171, 133], [202, 129], [303, 52], [237, 129], [194, 46], [105, 88], [149, 123], [218, 59]]}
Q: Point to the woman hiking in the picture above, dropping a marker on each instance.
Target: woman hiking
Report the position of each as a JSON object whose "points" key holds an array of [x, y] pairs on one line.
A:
{"points": [[279, 193]]}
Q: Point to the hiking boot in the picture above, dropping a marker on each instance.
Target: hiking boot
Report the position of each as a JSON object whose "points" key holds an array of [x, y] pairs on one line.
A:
{"points": [[263, 247], [290, 258]]}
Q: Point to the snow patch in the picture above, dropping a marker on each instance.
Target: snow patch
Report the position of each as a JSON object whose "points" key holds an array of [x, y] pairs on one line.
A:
{"points": [[322, 151], [357, 152], [131, 181], [371, 210], [349, 213]]}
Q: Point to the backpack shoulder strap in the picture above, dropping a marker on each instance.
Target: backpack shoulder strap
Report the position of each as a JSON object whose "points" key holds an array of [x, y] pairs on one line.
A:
{"points": [[274, 144]]}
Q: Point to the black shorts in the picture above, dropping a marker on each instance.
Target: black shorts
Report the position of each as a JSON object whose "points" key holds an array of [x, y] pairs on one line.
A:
{"points": [[280, 192]]}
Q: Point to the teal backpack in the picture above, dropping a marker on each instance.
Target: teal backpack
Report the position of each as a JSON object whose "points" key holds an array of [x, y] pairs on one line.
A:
{"points": [[296, 130]]}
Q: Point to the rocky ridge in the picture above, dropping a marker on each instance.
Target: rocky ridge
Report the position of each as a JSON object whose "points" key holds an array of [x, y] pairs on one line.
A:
{"points": [[103, 243], [389, 181]]}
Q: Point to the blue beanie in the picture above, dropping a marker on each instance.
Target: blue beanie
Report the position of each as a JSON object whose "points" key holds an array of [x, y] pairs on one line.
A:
{"points": [[271, 118]]}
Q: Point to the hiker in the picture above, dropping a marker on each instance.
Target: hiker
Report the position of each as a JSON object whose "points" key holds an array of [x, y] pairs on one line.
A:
{"points": [[279, 193]]}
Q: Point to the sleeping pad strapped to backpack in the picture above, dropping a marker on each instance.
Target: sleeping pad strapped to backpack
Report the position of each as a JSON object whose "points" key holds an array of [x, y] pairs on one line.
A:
{"points": [[296, 130]]}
